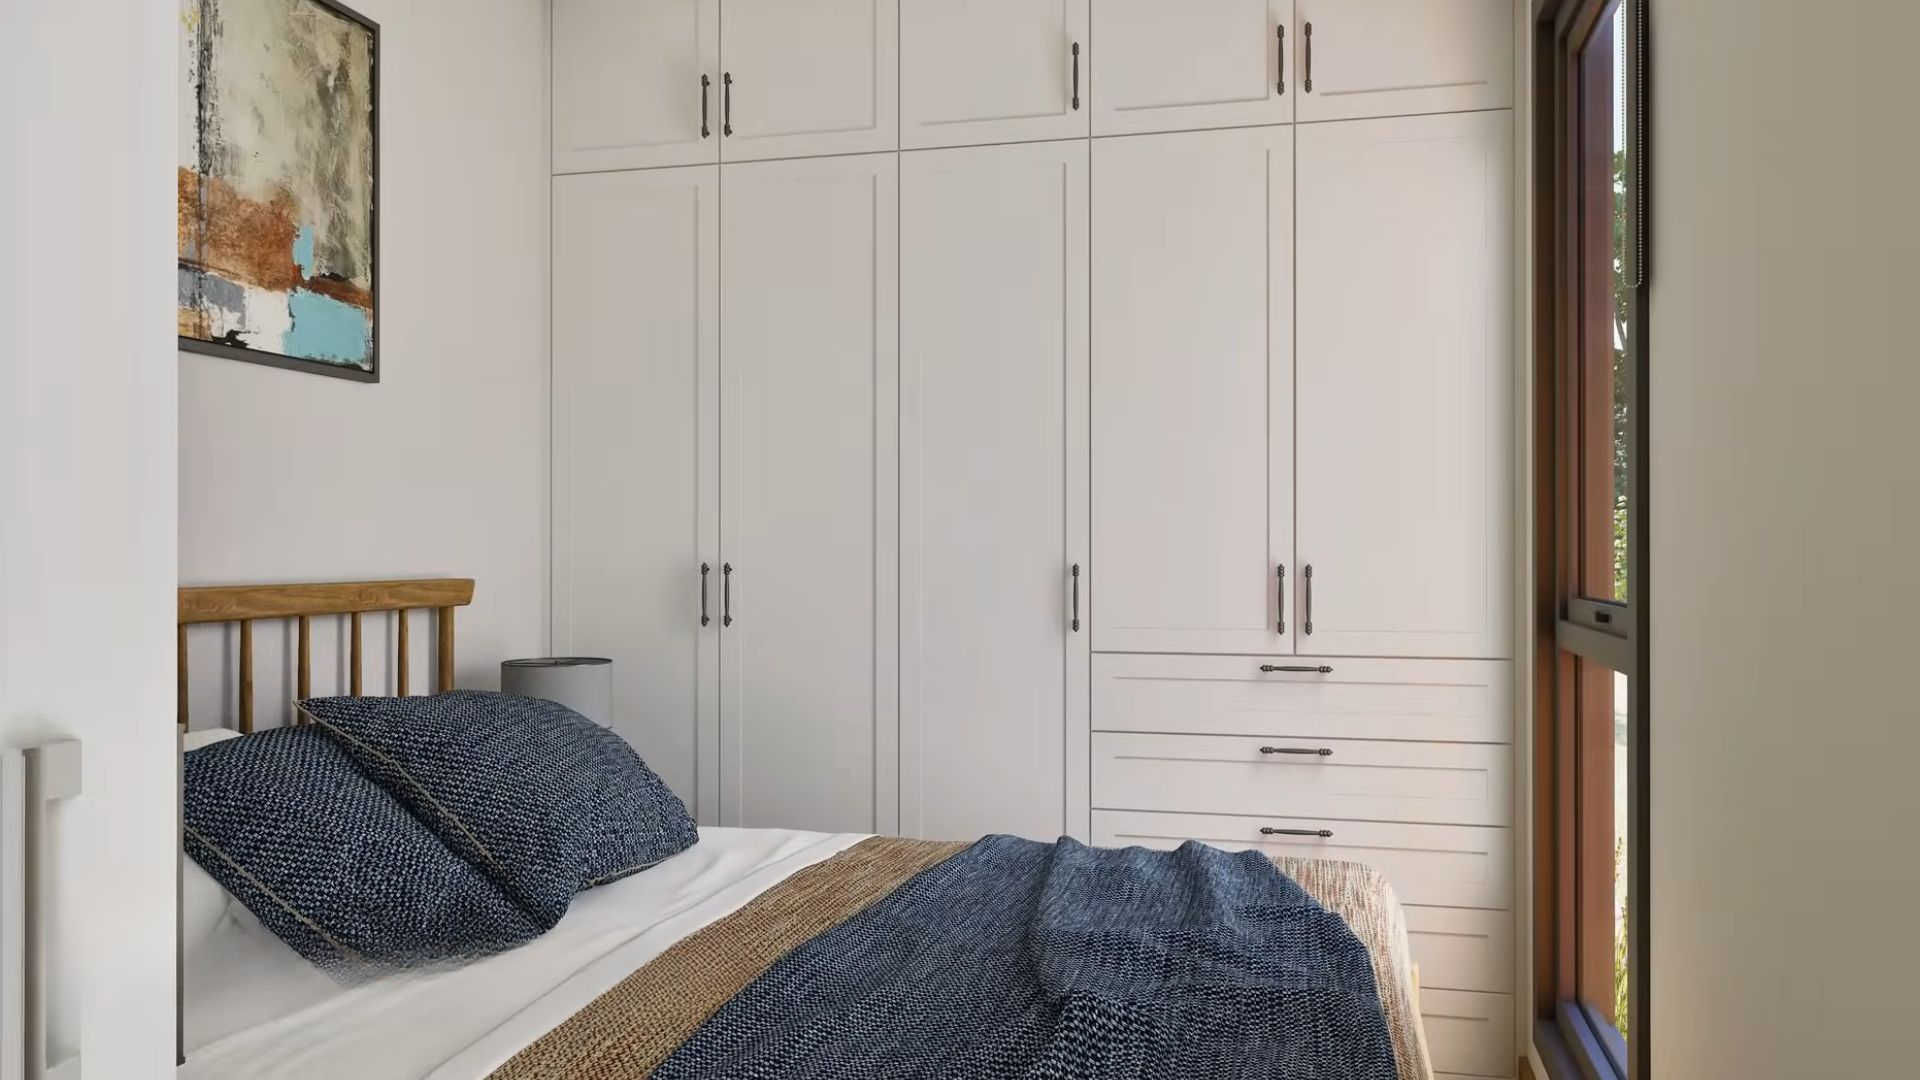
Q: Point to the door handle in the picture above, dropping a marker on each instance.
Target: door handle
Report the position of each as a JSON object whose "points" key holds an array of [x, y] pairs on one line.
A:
{"points": [[1280, 82], [1308, 87], [726, 103], [1302, 751], [726, 594], [1076, 76], [1280, 599], [1324, 834], [1298, 669], [705, 85], [704, 571], [1309, 620], [1076, 598]]}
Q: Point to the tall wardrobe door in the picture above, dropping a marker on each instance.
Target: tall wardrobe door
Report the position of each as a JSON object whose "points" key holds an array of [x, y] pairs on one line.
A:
{"points": [[809, 78], [809, 526], [993, 369], [1404, 441], [989, 71], [636, 453], [1193, 391], [627, 90], [1175, 65]]}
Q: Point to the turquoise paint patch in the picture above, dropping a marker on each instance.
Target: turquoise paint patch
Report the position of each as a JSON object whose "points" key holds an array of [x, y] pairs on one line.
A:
{"points": [[303, 250], [328, 330]]}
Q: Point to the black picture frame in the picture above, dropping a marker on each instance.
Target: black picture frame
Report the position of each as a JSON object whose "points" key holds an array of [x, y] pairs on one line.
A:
{"points": [[318, 367]]}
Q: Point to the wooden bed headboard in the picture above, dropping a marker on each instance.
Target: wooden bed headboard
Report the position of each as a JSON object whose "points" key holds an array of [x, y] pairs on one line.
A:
{"points": [[243, 604]]}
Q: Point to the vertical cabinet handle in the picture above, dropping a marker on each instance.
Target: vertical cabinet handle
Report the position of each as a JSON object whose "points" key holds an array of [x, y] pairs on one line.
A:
{"points": [[1280, 79], [1308, 627], [1076, 598], [705, 85], [726, 103], [705, 570], [1308, 86], [1280, 602], [1076, 76], [726, 594]]}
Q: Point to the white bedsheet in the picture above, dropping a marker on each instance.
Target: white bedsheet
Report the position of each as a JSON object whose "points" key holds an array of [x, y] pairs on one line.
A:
{"points": [[255, 1010]]}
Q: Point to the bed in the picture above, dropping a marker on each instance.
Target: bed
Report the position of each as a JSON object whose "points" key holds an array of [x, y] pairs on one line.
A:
{"points": [[639, 970]]}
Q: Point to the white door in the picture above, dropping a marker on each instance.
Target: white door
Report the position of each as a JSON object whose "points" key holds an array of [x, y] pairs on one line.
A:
{"points": [[1193, 391], [993, 373], [809, 523], [1175, 65], [991, 71], [635, 85], [800, 79], [1402, 57], [1405, 375], [636, 365]]}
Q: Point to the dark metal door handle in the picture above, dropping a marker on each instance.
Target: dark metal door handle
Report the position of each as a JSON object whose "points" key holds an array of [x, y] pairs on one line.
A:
{"points": [[704, 571], [1303, 751], [1309, 620], [705, 85], [726, 103], [1298, 669], [1076, 598], [1324, 834], [726, 594], [1076, 76], [1280, 605], [1308, 86], [1280, 83]]}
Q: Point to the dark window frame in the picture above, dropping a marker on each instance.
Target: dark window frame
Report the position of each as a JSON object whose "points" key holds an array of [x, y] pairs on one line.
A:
{"points": [[1583, 633]]}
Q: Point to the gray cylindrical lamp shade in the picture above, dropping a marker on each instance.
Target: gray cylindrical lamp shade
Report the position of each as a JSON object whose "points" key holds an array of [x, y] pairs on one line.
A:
{"points": [[581, 683]]}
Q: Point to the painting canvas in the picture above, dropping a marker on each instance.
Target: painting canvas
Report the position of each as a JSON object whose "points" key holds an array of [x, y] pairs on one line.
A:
{"points": [[279, 184]]}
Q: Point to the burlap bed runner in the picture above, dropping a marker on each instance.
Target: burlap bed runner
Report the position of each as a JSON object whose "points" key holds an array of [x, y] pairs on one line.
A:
{"points": [[631, 1029]]}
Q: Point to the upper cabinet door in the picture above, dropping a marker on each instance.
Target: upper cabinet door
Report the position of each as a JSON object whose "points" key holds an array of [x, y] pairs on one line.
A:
{"points": [[1402, 57], [1405, 385], [627, 84], [802, 79], [991, 71], [1174, 65], [1193, 391]]}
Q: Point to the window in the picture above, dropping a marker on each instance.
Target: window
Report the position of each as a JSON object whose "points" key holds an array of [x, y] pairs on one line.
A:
{"points": [[1591, 717]]}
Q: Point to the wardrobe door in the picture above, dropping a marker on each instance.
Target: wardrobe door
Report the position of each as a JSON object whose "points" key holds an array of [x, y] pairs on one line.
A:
{"points": [[1174, 65], [635, 85], [1193, 391], [1404, 422], [636, 454], [990, 71], [1401, 57], [800, 79], [993, 372], [808, 595]]}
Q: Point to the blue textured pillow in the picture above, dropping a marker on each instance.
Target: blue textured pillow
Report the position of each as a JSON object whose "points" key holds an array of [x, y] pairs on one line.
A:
{"points": [[334, 865], [546, 801]]}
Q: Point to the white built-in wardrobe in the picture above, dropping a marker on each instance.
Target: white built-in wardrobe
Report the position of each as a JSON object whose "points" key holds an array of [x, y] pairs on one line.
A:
{"points": [[1056, 416]]}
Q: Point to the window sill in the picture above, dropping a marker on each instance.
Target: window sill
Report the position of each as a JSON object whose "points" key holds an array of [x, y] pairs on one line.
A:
{"points": [[1579, 1054]]}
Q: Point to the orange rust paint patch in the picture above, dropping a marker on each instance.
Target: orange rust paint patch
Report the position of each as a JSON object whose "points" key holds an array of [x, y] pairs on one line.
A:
{"points": [[244, 240], [344, 291]]}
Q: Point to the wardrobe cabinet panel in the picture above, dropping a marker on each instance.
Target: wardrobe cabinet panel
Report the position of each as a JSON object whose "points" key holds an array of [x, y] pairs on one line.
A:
{"points": [[1405, 386], [636, 453], [1176, 65], [1193, 391], [1402, 57], [809, 520], [804, 79], [993, 283], [991, 71], [626, 83]]}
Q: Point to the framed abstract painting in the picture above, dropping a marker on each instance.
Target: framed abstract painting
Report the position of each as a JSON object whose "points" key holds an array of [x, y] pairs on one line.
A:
{"points": [[279, 178]]}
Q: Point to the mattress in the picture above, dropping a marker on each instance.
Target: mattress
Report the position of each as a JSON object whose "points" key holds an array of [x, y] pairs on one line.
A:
{"points": [[256, 1010]]}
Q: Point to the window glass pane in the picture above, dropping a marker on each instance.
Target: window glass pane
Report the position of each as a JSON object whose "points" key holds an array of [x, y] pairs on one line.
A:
{"points": [[1621, 785], [1621, 290]]}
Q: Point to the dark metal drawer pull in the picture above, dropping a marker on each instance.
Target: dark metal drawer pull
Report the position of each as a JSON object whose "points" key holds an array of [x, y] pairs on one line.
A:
{"points": [[1297, 669], [1309, 620], [1324, 834], [1303, 751], [1309, 82], [726, 594], [1076, 76], [1280, 575], [1076, 598], [705, 84], [704, 571], [726, 104], [1280, 82]]}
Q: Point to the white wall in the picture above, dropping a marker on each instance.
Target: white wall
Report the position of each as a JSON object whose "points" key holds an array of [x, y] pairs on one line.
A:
{"points": [[87, 379], [1785, 540], [441, 468]]}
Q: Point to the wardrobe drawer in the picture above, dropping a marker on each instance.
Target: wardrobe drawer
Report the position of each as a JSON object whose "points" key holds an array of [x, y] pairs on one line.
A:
{"points": [[1462, 948], [1344, 779], [1469, 1033], [1436, 865], [1443, 700]]}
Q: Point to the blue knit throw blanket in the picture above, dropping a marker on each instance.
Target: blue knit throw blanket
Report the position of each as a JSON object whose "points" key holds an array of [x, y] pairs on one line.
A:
{"points": [[1017, 959]]}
